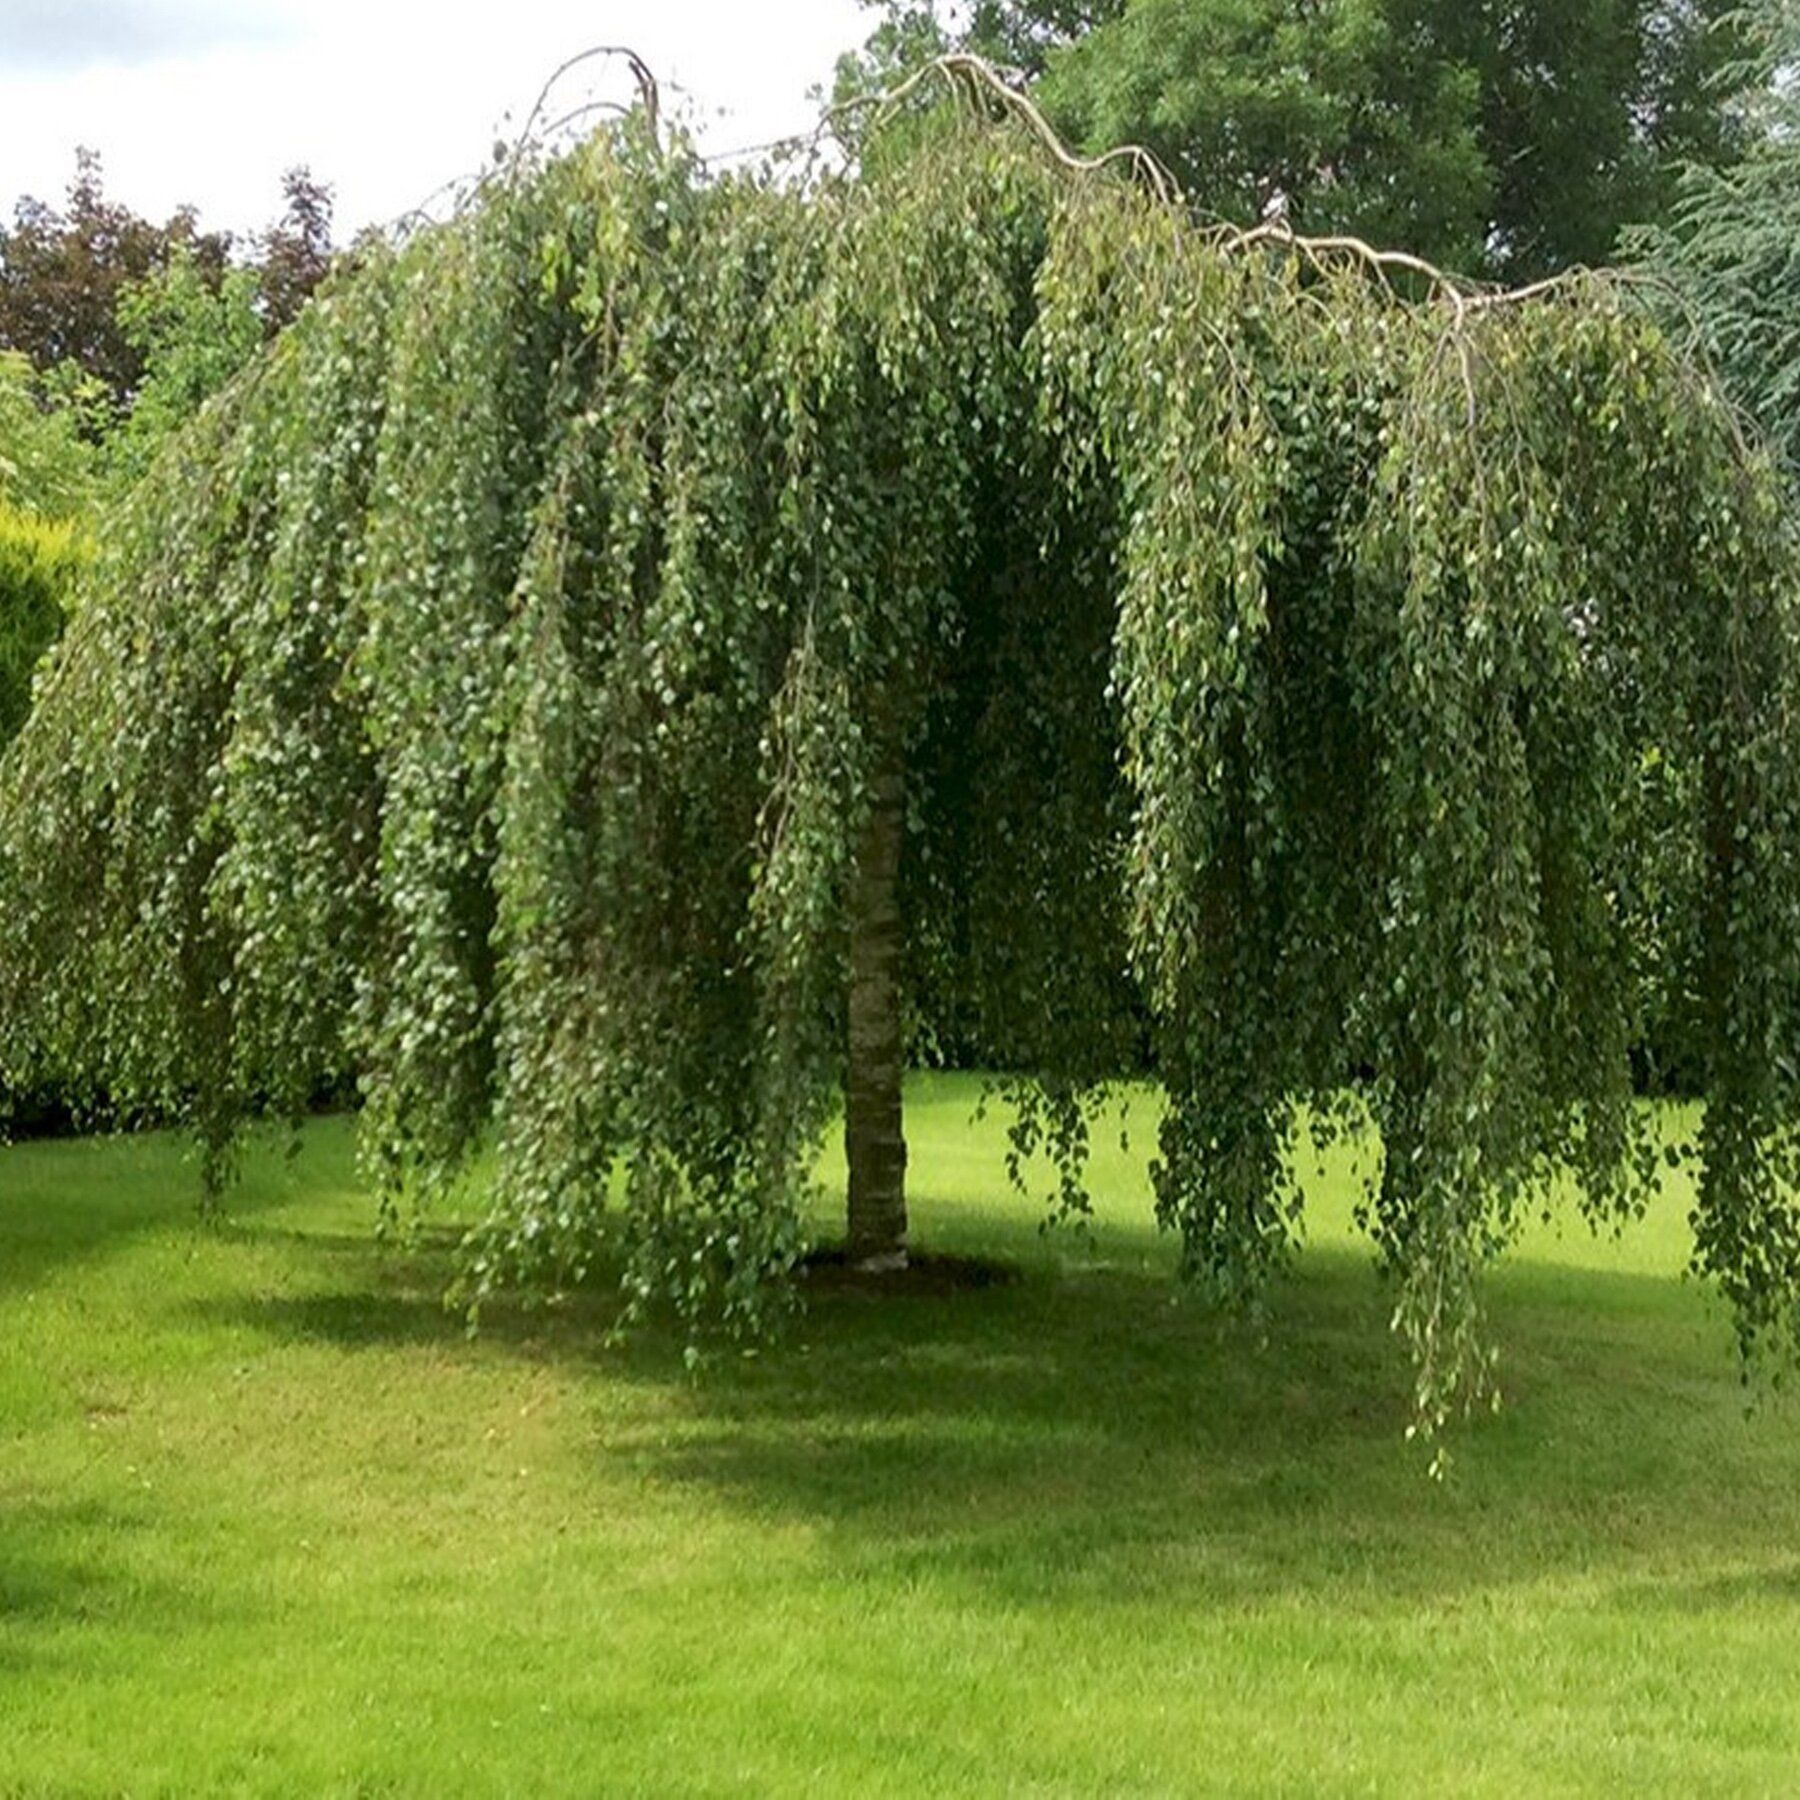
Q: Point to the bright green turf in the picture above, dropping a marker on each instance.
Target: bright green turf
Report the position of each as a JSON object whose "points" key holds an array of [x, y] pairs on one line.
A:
{"points": [[268, 1522]]}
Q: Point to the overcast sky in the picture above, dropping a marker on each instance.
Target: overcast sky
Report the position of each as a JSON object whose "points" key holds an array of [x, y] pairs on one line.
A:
{"points": [[209, 100]]}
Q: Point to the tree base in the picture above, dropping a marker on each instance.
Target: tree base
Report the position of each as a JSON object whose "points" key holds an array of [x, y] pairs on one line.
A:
{"points": [[883, 1262], [835, 1271]]}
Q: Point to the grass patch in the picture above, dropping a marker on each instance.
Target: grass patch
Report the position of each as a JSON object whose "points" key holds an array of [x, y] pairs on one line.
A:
{"points": [[269, 1521]]}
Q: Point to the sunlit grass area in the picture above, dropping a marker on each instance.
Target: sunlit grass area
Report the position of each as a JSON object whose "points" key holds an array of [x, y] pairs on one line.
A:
{"points": [[269, 1521]]}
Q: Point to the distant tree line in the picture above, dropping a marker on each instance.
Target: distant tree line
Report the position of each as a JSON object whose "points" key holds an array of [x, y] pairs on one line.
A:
{"points": [[87, 288], [114, 330], [1511, 138]]}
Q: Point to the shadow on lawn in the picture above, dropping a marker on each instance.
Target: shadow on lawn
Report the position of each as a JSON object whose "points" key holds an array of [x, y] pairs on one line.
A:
{"points": [[70, 1564], [1084, 1435], [127, 1184]]}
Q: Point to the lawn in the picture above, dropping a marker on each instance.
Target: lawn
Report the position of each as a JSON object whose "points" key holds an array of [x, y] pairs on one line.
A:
{"points": [[270, 1522]]}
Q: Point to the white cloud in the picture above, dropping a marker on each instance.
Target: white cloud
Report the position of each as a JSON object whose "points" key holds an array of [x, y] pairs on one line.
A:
{"points": [[55, 36], [190, 100]]}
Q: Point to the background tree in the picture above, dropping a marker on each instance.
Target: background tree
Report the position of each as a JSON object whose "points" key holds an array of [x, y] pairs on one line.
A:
{"points": [[1727, 252], [62, 274], [1012, 36], [47, 466], [1355, 118], [73, 284], [191, 336], [295, 253], [143, 324], [40, 560], [1508, 138], [47, 482], [1588, 109]]}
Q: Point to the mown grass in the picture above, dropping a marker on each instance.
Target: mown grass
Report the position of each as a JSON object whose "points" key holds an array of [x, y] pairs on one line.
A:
{"points": [[269, 1522]]}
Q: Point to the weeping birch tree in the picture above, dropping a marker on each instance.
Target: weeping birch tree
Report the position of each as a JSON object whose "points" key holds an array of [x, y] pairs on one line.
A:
{"points": [[629, 648]]}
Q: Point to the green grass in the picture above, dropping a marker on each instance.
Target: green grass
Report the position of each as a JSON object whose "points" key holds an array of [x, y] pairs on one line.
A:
{"points": [[269, 1522]]}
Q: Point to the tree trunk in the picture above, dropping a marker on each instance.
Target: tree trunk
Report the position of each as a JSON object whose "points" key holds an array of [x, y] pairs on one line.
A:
{"points": [[874, 1140]]}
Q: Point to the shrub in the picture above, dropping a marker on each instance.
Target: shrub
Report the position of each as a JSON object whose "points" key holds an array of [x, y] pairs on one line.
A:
{"points": [[46, 464], [39, 560]]}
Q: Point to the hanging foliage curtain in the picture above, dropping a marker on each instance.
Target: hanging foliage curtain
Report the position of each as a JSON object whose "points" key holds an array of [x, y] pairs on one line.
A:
{"points": [[1349, 696]]}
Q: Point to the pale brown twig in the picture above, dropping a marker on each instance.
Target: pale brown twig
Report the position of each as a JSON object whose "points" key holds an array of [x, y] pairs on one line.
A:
{"points": [[648, 91]]}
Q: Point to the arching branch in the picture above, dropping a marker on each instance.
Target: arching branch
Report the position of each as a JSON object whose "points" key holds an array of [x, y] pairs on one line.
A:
{"points": [[649, 93]]}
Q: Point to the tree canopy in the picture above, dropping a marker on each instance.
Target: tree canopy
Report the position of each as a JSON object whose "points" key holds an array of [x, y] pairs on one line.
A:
{"points": [[68, 276], [1726, 252], [1364, 696], [48, 477], [47, 466], [191, 335], [1514, 139]]}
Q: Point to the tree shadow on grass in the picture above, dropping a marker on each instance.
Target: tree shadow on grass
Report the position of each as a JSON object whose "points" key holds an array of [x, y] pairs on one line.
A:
{"points": [[1085, 1435], [68, 1565], [70, 1200], [1092, 1440], [1774, 1582]]}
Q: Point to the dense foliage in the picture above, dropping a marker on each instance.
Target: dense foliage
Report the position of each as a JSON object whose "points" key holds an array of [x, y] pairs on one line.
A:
{"points": [[68, 275], [62, 270], [1727, 253], [1376, 692], [1352, 112], [47, 479], [192, 335], [1514, 138], [39, 565], [47, 467]]}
